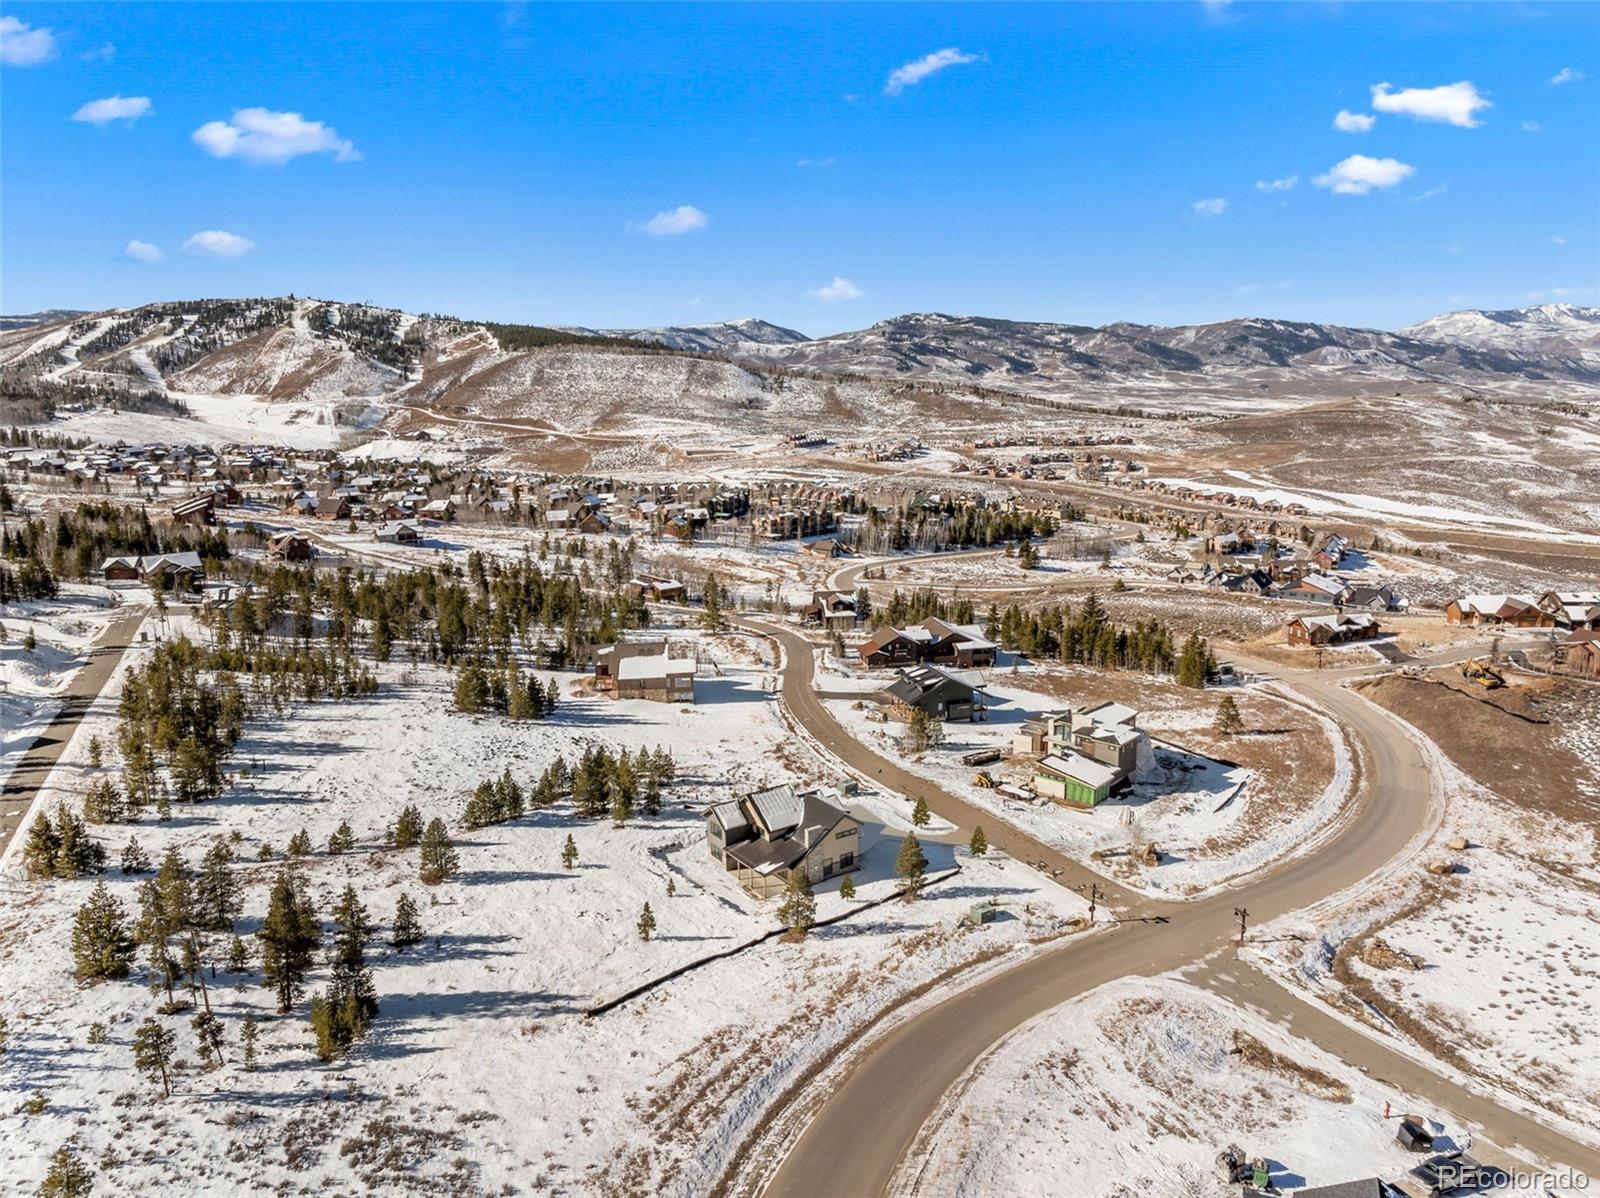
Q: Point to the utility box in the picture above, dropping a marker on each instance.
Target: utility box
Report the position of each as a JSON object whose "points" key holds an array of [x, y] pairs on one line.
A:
{"points": [[980, 913]]}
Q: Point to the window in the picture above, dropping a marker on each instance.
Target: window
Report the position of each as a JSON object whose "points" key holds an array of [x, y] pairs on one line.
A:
{"points": [[847, 861], [844, 832]]}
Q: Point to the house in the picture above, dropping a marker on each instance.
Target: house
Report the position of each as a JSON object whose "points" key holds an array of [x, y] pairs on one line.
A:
{"points": [[1572, 609], [662, 590], [829, 547], [398, 532], [120, 569], [333, 507], [1317, 588], [961, 645], [833, 610], [197, 509], [888, 647], [762, 836], [942, 694], [1379, 598], [1080, 781], [1330, 552], [300, 504], [1331, 630], [439, 509], [662, 678], [608, 657], [290, 547], [1518, 611], [178, 572], [1580, 653]]}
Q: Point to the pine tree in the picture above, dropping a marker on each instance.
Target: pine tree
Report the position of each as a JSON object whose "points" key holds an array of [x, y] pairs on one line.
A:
{"points": [[847, 888], [134, 858], [342, 840], [480, 809], [249, 1031], [208, 1037], [407, 929], [217, 889], [406, 832], [569, 853], [342, 1014], [238, 956], [798, 911], [77, 852], [102, 946], [437, 861], [39, 850], [919, 812], [979, 844], [5, 1035], [300, 844], [647, 923], [621, 804], [67, 1177], [289, 937], [1229, 721], [911, 865], [104, 803], [152, 1051], [916, 738], [652, 795]]}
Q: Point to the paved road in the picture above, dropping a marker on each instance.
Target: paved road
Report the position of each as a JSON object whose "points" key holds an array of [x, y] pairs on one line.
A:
{"points": [[24, 782], [872, 1114]]}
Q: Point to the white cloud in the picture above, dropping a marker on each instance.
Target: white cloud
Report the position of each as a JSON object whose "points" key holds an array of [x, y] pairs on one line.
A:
{"points": [[919, 69], [1532, 127], [674, 222], [104, 53], [1358, 174], [1354, 122], [1567, 75], [259, 135], [142, 251], [113, 108], [1559, 240], [1432, 192], [1212, 207], [1287, 183], [1453, 103], [215, 243], [808, 163], [21, 45], [840, 289]]}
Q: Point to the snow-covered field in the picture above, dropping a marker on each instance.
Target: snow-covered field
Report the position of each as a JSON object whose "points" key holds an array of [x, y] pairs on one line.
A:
{"points": [[1135, 1087], [482, 1070], [1492, 971], [31, 680]]}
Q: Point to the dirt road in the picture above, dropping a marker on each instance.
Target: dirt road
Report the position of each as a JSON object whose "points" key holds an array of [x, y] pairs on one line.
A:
{"points": [[23, 784], [868, 1119]]}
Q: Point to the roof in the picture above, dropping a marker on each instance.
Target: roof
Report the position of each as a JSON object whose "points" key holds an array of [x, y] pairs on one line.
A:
{"points": [[778, 808], [639, 668], [730, 815], [1321, 582], [1111, 713], [1079, 769], [174, 561], [1367, 1187]]}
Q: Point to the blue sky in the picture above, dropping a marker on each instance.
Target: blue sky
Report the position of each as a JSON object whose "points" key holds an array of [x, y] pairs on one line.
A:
{"points": [[660, 164]]}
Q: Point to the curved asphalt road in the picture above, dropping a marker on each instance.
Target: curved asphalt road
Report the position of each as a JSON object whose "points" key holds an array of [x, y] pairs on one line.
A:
{"points": [[872, 1114]]}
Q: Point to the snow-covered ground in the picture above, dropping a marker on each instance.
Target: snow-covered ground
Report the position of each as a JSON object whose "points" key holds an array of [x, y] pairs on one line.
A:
{"points": [[31, 680], [1492, 971], [482, 1070], [1135, 1087]]}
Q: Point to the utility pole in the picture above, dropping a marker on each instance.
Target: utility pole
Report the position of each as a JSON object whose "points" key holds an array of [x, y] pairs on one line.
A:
{"points": [[1243, 913], [1094, 898]]}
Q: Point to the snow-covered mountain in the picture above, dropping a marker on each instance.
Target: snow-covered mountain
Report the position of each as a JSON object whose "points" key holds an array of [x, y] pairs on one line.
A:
{"points": [[29, 319], [1550, 329], [298, 350], [1042, 356], [712, 338]]}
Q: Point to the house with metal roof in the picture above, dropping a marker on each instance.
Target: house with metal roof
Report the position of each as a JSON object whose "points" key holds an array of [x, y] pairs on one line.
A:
{"points": [[939, 693], [765, 834]]}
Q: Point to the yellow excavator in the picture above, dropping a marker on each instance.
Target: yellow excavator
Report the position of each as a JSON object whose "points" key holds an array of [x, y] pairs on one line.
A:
{"points": [[1475, 669]]}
